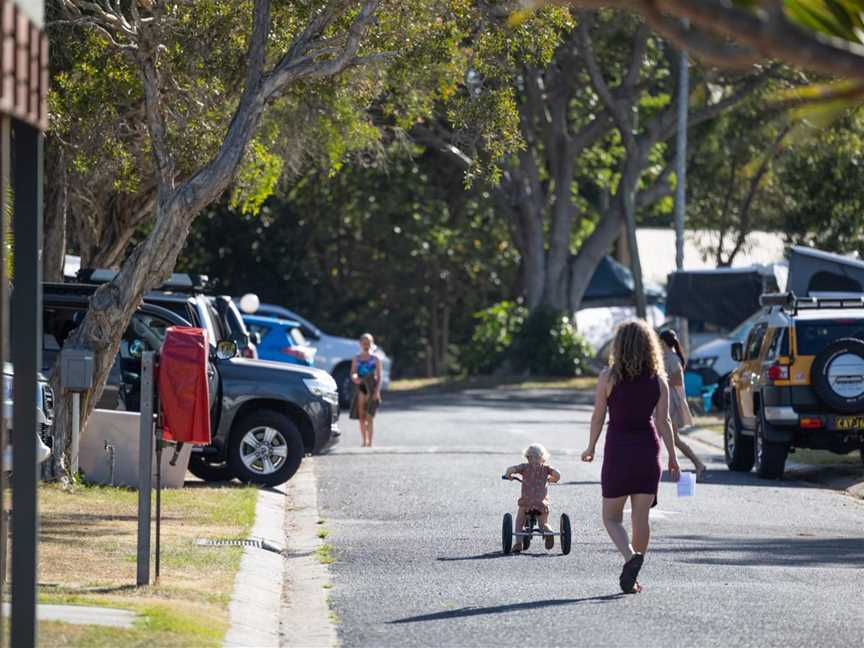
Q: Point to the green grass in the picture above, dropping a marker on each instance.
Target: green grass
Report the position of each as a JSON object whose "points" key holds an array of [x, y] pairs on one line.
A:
{"points": [[325, 554], [323, 533], [87, 557]]}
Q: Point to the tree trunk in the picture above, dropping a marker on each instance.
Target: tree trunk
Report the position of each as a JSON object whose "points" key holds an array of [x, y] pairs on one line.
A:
{"points": [[596, 246], [56, 205], [557, 274]]}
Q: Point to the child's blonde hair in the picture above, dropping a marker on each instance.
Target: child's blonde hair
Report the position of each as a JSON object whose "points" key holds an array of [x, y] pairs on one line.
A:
{"points": [[536, 450]]}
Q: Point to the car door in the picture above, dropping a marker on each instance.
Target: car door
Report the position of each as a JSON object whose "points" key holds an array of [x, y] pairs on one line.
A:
{"points": [[749, 372]]}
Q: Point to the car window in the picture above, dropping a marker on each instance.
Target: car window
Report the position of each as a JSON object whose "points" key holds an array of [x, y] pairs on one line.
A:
{"points": [[779, 343], [754, 341], [296, 336], [813, 336], [259, 329], [206, 322], [740, 332]]}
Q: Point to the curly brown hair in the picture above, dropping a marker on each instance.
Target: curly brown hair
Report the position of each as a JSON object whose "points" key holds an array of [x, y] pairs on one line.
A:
{"points": [[636, 349]]}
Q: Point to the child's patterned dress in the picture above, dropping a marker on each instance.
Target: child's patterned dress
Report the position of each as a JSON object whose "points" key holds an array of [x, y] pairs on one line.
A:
{"points": [[535, 494]]}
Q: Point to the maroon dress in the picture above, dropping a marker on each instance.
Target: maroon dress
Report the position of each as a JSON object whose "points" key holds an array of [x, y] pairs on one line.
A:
{"points": [[631, 458]]}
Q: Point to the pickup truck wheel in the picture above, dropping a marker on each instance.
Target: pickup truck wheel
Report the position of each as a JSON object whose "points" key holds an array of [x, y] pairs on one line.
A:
{"points": [[737, 448], [266, 448], [769, 457], [208, 471], [342, 376]]}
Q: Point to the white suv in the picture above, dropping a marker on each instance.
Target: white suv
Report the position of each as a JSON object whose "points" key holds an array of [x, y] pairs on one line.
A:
{"points": [[334, 353]]}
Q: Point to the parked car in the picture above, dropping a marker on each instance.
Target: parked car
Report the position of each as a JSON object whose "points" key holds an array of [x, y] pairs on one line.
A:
{"points": [[44, 415], [713, 363], [280, 340], [799, 384], [334, 353], [265, 416]]}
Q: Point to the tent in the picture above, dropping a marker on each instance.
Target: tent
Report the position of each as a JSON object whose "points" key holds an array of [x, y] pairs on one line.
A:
{"points": [[612, 285], [817, 271], [724, 297]]}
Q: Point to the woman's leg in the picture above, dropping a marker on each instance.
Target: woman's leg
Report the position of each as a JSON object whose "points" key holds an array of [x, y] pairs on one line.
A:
{"points": [[361, 410], [688, 452], [370, 428], [613, 520], [641, 505]]}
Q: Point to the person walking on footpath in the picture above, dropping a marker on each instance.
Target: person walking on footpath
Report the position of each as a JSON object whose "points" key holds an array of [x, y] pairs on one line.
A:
{"points": [[366, 376], [679, 411], [634, 390]]}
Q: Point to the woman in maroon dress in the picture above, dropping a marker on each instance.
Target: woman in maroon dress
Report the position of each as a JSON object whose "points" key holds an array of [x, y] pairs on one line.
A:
{"points": [[634, 390]]}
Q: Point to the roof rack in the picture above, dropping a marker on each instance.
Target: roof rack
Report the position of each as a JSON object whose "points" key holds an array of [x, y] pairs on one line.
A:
{"points": [[178, 282], [791, 303]]}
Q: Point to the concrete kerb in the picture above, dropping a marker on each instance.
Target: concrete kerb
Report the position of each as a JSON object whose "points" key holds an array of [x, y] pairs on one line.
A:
{"points": [[305, 615], [255, 603], [83, 615], [804, 471]]}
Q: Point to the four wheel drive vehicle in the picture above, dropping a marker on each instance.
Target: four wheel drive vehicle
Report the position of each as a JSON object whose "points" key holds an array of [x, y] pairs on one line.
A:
{"points": [[44, 415], [280, 340], [799, 384], [334, 353], [266, 416]]}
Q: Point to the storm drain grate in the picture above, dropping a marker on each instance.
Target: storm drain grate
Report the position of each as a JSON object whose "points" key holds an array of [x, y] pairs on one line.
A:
{"points": [[249, 542]]}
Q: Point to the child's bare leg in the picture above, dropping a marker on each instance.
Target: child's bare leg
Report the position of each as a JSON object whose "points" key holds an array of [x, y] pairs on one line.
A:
{"points": [[544, 525], [520, 525], [369, 430]]}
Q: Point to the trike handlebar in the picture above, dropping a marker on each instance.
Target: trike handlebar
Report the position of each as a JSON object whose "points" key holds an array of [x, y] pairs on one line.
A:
{"points": [[511, 478]]}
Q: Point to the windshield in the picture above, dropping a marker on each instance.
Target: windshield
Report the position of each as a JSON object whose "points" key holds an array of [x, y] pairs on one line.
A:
{"points": [[740, 332], [296, 335]]}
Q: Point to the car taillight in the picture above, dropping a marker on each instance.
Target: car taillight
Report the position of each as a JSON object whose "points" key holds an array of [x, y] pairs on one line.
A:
{"points": [[811, 422], [778, 372], [295, 353]]}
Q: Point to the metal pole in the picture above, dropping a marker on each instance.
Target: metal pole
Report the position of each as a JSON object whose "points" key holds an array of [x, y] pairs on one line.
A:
{"points": [[145, 467], [635, 262], [158, 503], [681, 180], [76, 430], [5, 144], [27, 360]]}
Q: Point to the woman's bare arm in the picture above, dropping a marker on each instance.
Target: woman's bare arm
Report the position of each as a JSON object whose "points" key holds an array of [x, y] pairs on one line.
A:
{"points": [[664, 426], [378, 378], [598, 417], [354, 377]]}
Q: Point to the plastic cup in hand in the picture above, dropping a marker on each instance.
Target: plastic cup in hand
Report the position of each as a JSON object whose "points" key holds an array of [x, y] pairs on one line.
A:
{"points": [[687, 484]]}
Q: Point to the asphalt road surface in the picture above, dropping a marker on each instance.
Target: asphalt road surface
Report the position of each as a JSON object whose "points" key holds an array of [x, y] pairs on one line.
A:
{"points": [[415, 524]]}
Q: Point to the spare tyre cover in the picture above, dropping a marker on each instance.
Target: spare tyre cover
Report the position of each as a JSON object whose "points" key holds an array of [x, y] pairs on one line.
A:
{"points": [[837, 375], [183, 387]]}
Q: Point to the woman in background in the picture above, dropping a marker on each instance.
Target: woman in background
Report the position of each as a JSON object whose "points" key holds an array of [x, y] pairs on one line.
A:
{"points": [[679, 411], [366, 376]]}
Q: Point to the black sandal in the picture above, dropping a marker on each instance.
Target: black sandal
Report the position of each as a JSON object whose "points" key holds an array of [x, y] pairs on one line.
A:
{"points": [[630, 573]]}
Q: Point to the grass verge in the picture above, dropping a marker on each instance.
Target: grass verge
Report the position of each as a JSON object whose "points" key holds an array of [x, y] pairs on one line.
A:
{"points": [[88, 552], [452, 384]]}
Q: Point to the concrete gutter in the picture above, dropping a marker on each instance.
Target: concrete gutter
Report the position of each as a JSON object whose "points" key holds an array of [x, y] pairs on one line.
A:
{"points": [[306, 619], [255, 604]]}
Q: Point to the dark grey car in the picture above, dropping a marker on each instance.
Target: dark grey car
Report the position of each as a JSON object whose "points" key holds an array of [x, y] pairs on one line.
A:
{"points": [[265, 416]]}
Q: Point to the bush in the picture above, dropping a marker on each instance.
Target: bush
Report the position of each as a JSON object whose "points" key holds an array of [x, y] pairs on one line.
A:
{"points": [[549, 345], [493, 337], [545, 343]]}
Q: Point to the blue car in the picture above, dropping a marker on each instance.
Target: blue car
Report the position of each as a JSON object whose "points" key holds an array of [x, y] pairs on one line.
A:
{"points": [[280, 340]]}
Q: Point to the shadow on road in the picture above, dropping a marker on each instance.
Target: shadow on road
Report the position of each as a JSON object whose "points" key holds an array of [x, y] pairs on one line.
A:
{"points": [[503, 609], [794, 551], [497, 554]]}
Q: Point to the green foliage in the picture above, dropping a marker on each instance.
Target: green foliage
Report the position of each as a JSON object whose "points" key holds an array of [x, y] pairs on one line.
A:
{"points": [[543, 343], [493, 338], [549, 345]]}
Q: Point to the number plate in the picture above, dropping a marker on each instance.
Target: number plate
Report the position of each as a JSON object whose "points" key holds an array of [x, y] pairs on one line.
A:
{"points": [[849, 422]]}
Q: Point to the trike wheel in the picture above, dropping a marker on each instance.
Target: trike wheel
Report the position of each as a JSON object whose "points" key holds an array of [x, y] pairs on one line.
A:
{"points": [[565, 534], [507, 533]]}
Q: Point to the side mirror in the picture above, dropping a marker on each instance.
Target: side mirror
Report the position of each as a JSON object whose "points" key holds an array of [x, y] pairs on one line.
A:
{"points": [[737, 351], [241, 340], [136, 348], [226, 350]]}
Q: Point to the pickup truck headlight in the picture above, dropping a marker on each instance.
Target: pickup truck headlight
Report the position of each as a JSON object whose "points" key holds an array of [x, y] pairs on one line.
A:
{"points": [[324, 387]]}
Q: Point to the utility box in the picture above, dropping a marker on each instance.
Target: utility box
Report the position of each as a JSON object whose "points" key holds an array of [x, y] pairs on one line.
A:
{"points": [[76, 369]]}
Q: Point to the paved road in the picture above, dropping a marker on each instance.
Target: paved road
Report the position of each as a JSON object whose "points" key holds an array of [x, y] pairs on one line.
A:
{"points": [[415, 524]]}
